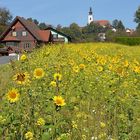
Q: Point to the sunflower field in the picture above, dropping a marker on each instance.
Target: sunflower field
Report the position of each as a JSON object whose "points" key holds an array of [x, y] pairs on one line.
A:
{"points": [[85, 91]]}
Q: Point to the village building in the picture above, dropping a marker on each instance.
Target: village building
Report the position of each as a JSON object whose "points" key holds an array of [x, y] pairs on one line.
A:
{"points": [[58, 36], [24, 35], [102, 23]]}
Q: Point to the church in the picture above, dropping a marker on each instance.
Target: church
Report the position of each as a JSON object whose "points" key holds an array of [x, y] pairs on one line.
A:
{"points": [[103, 23]]}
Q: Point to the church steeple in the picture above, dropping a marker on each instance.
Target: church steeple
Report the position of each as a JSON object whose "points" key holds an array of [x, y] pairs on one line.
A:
{"points": [[90, 16], [90, 11]]}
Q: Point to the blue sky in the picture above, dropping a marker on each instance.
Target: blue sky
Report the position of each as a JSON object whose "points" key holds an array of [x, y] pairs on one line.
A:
{"points": [[65, 12]]}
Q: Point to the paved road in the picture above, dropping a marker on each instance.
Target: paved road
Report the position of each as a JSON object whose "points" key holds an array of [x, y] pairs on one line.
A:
{"points": [[6, 59]]}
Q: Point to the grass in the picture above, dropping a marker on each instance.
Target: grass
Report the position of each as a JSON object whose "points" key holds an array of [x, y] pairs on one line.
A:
{"points": [[85, 91]]}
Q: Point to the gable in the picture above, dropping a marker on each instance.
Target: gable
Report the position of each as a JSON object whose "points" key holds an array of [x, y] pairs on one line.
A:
{"points": [[19, 24]]}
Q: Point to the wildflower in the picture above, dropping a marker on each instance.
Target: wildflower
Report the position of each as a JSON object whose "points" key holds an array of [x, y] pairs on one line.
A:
{"points": [[82, 66], [40, 122], [102, 124], [57, 76], [21, 78], [100, 68], [53, 83], [59, 101], [103, 61], [13, 95], [2, 119], [64, 136], [29, 135], [102, 135], [83, 137], [136, 69], [88, 59], [23, 57], [76, 69], [71, 62], [126, 63], [39, 73], [74, 125], [110, 67]]}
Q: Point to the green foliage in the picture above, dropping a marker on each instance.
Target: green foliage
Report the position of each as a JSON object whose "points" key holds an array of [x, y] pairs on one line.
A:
{"points": [[5, 16], [128, 40], [5, 19], [117, 24], [42, 26], [137, 15]]}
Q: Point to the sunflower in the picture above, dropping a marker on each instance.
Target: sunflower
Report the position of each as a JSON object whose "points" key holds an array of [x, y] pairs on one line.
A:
{"points": [[76, 69], [23, 57], [57, 76], [13, 95], [100, 68], [21, 78], [53, 83], [82, 66], [59, 101], [39, 73]]}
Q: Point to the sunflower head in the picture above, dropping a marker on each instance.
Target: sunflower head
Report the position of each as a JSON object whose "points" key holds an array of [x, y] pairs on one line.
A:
{"points": [[57, 76], [21, 78], [39, 73], [53, 83], [13, 95], [100, 68], [82, 66], [76, 69], [23, 57], [59, 101]]}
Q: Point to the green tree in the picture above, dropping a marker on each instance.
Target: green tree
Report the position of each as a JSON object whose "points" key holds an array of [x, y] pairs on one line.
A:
{"points": [[5, 18], [117, 24], [42, 26], [33, 20], [137, 18]]}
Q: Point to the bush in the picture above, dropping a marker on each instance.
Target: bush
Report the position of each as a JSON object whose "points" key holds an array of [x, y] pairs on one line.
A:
{"points": [[128, 40]]}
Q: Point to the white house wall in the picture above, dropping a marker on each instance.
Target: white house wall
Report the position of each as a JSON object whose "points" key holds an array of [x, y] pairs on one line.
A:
{"points": [[60, 36]]}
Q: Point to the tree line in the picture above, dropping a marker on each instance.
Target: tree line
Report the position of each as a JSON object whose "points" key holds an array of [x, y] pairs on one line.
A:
{"points": [[88, 33]]}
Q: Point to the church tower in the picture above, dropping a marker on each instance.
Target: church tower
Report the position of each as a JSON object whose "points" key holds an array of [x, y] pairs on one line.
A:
{"points": [[90, 16]]}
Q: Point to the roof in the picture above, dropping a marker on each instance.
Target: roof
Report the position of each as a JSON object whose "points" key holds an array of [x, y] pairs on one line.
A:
{"points": [[102, 22], [44, 34], [10, 38], [30, 26], [61, 33]]}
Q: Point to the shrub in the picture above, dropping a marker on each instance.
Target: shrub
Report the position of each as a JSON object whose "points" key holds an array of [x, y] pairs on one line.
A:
{"points": [[128, 40]]}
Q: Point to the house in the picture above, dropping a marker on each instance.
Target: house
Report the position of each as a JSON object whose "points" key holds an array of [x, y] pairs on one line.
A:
{"points": [[24, 35], [58, 37]]}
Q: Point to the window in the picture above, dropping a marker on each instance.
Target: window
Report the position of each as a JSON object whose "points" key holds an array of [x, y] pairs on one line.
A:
{"points": [[14, 33], [24, 33], [12, 44], [27, 45], [55, 35]]}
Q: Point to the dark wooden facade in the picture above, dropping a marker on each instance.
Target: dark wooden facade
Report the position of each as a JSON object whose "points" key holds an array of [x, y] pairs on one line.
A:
{"points": [[24, 35]]}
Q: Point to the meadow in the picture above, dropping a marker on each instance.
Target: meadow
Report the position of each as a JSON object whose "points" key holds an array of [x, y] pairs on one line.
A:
{"points": [[85, 91]]}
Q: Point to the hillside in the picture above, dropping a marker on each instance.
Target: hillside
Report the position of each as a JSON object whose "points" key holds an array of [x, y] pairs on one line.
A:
{"points": [[72, 92]]}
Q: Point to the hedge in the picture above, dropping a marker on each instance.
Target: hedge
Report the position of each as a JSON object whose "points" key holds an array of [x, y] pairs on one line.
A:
{"points": [[128, 40]]}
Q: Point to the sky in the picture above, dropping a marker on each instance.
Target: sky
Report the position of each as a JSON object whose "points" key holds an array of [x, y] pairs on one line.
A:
{"points": [[65, 12]]}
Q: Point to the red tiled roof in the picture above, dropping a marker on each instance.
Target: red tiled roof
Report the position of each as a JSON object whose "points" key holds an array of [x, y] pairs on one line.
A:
{"points": [[102, 22], [44, 35], [10, 38]]}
